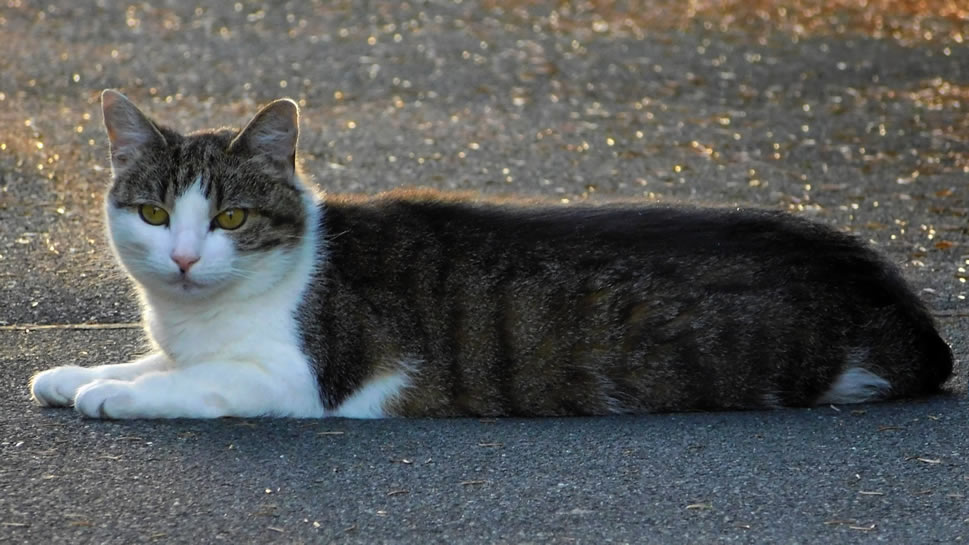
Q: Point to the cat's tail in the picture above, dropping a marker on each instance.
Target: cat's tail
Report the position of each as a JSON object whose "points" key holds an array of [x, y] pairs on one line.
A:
{"points": [[929, 357], [904, 357], [936, 364], [924, 376]]}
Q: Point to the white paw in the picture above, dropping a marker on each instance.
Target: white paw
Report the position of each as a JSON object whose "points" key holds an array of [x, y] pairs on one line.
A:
{"points": [[57, 387], [106, 399]]}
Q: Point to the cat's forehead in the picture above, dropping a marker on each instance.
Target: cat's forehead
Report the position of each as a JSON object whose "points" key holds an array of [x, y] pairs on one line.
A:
{"points": [[205, 155], [205, 144], [199, 159]]}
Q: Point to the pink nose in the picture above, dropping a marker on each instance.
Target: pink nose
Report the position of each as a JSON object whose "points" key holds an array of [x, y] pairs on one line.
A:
{"points": [[185, 262]]}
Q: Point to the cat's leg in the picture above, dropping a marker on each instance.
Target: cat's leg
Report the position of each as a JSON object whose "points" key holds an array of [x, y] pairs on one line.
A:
{"points": [[205, 390], [57, 387]]}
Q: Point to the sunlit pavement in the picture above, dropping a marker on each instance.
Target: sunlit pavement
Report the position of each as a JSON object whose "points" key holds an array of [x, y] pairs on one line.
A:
{"points": [[856, 114]]}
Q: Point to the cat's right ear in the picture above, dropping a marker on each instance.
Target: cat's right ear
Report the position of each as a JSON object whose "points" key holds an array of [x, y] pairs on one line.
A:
{"points": [[272, 133], [129, 130]]}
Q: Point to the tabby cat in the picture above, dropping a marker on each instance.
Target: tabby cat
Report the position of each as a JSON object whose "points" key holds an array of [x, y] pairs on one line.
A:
{"points": [[263, 299]]}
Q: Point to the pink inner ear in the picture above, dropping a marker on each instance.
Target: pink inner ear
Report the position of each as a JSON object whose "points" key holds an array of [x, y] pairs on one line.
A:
{"points": [[125, 130], [126, 125], [273, 131]]}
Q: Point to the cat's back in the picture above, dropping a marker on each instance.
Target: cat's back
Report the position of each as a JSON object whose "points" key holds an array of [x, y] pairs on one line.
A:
{"points": [[624, 230], [681, 248]]}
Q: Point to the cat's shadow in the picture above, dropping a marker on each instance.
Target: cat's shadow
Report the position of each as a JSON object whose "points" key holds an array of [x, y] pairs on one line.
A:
{"points": [[383, 439]]}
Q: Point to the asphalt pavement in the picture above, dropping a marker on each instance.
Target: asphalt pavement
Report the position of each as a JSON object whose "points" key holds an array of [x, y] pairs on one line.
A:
{"points": [[856, 115]]}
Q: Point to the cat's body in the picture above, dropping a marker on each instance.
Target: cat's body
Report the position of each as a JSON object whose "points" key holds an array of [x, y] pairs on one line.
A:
{"points": [[590, 310], [423, 304]]}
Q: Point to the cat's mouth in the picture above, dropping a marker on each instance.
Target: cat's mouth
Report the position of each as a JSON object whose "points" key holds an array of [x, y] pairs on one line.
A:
{"points": [[185, 284], [180, 287]]}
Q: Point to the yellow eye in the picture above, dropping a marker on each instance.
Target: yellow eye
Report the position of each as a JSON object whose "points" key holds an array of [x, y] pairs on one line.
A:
{"points": [[231, 218], [153, 215]]}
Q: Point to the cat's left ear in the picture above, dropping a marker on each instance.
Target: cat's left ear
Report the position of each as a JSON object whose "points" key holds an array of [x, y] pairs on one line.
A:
{"points": [[272, 133], [129, 130]]}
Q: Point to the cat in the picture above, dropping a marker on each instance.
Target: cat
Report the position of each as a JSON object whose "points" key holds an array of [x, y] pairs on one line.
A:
{"points": [[262, 298]]}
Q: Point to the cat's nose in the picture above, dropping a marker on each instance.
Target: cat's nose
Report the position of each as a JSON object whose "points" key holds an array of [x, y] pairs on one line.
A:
{"points": [[185, 262]]}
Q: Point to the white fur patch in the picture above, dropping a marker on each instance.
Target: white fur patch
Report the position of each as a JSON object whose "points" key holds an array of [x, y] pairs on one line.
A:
{"points": [[369, 400], [856, 385], [189, 229], [58, 387]]}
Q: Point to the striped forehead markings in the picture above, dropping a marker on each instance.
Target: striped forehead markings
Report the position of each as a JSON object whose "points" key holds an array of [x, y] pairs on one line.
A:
{"points": [[205, 185], [201, 185]]}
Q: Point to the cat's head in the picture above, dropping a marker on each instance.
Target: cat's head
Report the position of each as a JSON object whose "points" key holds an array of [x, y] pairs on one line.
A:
{"points": [[193, 216]]}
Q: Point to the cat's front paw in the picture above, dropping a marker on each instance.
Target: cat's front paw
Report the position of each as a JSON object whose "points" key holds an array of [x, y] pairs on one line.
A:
{"points": [[106, 399], [57, 387]]}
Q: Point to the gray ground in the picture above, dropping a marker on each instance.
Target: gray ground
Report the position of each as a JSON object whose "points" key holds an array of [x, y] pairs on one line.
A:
{"points": [[858, 118]]}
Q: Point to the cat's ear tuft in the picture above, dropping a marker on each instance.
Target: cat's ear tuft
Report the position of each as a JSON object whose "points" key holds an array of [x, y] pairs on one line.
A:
{"points": [[129, 130], [273, 133]]}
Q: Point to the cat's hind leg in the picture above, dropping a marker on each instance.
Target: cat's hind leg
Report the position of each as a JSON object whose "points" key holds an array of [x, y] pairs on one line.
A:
{"points": [[205, 390], [58, 387]]}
